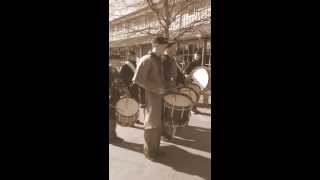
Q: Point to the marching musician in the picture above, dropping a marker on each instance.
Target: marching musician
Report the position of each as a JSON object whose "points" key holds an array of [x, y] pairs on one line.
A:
{"points": [[170, 75], [115, 87], [149, 75], [126, 73], [196, 61]]}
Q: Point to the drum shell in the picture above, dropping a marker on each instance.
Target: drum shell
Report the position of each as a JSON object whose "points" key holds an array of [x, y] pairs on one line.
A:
{"points": [[176, 116], [184, 89], [196, 89], [124, 120]]}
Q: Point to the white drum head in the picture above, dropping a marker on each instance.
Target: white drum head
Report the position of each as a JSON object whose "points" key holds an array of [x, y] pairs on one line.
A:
{"points": [[201, 76], [177, 100], [127, 106]]}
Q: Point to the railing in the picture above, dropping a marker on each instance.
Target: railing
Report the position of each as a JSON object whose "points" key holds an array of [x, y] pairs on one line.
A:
{"points": [[186, 19]]}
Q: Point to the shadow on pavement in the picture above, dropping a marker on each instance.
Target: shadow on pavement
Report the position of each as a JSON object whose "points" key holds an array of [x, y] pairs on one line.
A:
{"points": [[196, 138], [185, 162], [131, 146], [203, 113]]}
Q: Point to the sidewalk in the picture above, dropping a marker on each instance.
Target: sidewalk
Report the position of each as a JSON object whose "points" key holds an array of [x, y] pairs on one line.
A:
{"points": [[188, 156]]}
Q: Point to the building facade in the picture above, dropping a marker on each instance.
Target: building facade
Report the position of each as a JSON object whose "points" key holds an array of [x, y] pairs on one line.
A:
{"points": [[125, 32]]}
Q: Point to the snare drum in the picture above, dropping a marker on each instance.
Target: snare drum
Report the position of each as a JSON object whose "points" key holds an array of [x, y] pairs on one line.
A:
{"points": [[127, 111], [196, 88], [201, 75], [176, 109], [191, 93]]}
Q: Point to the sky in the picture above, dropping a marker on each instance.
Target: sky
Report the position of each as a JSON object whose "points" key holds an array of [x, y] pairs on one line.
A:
{"points": [[120, 7]]}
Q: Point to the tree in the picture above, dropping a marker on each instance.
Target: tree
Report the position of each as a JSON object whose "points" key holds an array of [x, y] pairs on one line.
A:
{"points": [[167, 12]]}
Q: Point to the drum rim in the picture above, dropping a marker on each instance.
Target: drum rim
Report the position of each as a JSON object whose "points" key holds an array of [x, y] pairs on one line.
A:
{"points": [[168, 93], [124, 98], [195, 85], [197, 95]]}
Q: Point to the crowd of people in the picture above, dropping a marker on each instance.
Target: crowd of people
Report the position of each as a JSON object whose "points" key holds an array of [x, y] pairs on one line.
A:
{"points": [[147, 81]]}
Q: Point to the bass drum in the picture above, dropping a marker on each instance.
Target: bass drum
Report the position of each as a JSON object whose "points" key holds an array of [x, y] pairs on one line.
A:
{"points": [[201, 76]]}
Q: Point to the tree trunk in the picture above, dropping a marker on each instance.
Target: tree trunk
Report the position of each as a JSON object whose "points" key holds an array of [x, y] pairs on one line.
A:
{"points": [[167, 18]]}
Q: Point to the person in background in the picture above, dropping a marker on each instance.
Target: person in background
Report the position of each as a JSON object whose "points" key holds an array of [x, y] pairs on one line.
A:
{"points": [[126, 73], [170, 75], [115, 86], [196, 61]]}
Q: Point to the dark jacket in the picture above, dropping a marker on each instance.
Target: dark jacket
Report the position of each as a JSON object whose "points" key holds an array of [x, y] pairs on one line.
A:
{"points": [[172, 71], [188, 69], [126, 74], [114, 91]]}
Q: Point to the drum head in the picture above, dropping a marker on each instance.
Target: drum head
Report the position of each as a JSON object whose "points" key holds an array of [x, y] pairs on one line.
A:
{"points": [[201, 76], [195, 87], [127, 106], [178, 99], [190, 92]]}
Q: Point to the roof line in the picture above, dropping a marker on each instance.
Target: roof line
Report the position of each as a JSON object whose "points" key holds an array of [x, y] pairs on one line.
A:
{"points": [[132, 13]]}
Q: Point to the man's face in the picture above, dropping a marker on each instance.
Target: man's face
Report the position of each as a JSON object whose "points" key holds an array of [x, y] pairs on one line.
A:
{"points": [[196, 56], [131, 57], [159, 47], [172, 51]]}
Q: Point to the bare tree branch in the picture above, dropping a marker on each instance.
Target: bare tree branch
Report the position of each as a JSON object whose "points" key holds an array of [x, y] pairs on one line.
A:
{"points": [[190, 27], [152, 6], [146, 30], [180, 10]]}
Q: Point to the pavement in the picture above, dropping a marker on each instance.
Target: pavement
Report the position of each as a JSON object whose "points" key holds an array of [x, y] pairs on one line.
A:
{"points": [[187, 157]]}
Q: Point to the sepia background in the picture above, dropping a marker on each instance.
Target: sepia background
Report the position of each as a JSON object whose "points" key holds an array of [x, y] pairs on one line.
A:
{"points": [[132, 25]]}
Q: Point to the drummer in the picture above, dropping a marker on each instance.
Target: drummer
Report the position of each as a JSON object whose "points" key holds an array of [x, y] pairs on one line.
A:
{"points": [[126, 73], [115, 87], [170, 75], [196, 61], [149, 75]]}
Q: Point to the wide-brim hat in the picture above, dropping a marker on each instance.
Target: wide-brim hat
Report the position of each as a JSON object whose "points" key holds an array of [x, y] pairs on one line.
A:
{"points": [[159, 40]]}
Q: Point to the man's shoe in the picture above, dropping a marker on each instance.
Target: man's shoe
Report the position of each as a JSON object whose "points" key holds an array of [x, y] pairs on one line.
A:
{"points": [[139, 122], [151, 158], [166, 139]]}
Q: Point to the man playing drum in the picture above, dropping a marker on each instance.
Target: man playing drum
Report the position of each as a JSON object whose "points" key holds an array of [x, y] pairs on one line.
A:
{"points": [[196, 61], [114, 95], [149, 75], [126, 73], [170, 75]]}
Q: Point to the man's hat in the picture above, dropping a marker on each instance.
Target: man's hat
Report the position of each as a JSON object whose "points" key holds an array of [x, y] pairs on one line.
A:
{"points": [[159, 40], [170, 44], [132, 53]]}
